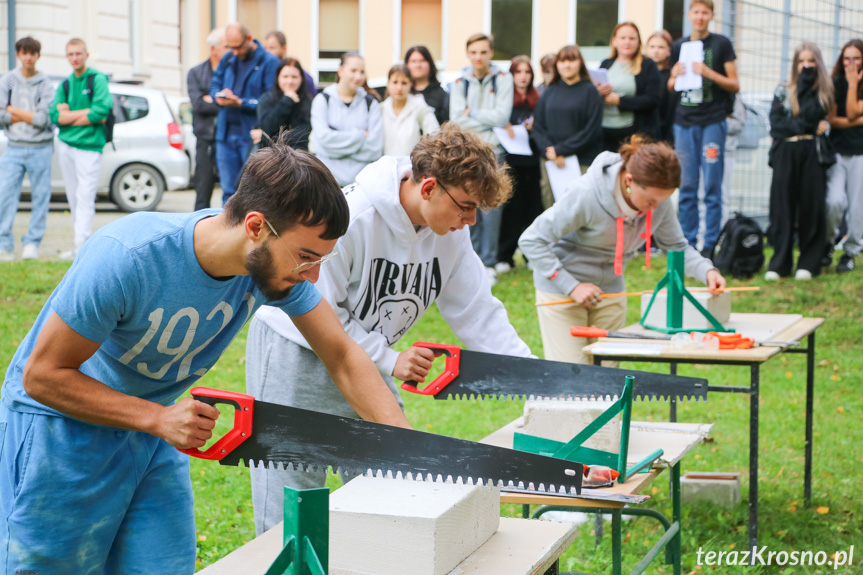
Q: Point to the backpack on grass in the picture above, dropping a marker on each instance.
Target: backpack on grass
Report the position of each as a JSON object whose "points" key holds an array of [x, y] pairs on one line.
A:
{"points": [[740, 249]]}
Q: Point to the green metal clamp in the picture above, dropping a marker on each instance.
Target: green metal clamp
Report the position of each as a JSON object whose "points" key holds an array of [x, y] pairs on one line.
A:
{"points": [[306, 533]]}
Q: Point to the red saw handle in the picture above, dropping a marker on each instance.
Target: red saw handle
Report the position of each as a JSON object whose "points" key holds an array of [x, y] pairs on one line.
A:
{"points": [[453, 358], [242, 430]]}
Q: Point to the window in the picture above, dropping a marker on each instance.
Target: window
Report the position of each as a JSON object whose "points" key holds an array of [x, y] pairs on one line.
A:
{"points": [[128, 108], [672, 18], [339, 28], [511, 28], [594, 21], [259, 16], [421, 25]]}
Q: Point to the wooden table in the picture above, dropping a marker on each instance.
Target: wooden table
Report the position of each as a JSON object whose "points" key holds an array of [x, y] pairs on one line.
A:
{"points": [[775, 327], [675, 439], [519, 547]]}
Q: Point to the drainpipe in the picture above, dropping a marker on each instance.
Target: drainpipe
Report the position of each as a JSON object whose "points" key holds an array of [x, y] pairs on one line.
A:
{"points": [[10, 17], [212, 14]]}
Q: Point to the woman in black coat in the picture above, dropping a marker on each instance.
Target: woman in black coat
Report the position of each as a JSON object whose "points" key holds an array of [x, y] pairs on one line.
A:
{"points": [[633, 94], [287, 106], [423, 71]]}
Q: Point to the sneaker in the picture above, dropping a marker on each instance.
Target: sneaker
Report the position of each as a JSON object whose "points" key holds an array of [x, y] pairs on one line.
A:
{"points": [[502, 268], [492, 276], [68, 255], [30, 252], [803, 275], [827, 260], [845, 265], [771, 276], [7, 256]]}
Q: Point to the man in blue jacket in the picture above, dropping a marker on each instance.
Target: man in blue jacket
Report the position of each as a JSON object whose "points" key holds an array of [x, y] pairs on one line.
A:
{"points": [[244, 73]]}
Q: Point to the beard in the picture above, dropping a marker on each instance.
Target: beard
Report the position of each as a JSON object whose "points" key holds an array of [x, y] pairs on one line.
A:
{"points": [[259, 264]]}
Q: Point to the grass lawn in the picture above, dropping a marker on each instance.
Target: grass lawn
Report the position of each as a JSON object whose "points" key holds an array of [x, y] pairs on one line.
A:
{"points": [[223, 506]]}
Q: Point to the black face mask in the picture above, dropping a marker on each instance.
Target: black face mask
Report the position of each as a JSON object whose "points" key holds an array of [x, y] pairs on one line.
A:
{"points": [[808, 74]]}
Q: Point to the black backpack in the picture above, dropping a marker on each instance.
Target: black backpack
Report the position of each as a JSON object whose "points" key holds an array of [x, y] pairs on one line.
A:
{"points": [[110, 119], [740, 249]]}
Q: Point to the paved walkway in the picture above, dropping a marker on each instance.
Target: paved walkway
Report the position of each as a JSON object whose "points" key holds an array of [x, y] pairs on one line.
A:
{"points": [[58, 235]]}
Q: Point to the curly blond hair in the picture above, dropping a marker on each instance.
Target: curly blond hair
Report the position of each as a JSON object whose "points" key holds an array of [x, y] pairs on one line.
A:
{"points": [[461, 159]]}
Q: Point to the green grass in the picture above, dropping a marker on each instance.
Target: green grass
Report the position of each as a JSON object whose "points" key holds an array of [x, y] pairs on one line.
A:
{"points": [[833, 522]]}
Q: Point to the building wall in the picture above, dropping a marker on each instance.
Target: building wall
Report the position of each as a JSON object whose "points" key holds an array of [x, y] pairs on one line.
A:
{"points": [[149, 51]]}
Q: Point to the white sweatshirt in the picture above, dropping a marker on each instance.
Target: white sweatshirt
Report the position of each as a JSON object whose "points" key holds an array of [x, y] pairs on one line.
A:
{"points": [[402, 132], [387, 274]]}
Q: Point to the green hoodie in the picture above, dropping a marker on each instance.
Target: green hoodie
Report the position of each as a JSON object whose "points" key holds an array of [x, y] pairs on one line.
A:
{"points": [[90, 137]]}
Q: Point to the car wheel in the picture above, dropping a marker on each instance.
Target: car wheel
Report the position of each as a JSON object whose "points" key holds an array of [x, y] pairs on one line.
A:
{"points": [[137, 188]]}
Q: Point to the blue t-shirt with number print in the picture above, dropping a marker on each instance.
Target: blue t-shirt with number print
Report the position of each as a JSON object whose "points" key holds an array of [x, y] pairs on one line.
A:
{"points": [[137, 288]]}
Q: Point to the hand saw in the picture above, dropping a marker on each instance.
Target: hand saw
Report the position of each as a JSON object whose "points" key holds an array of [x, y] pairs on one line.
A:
{"points": [[474, 374], [282, 436]]}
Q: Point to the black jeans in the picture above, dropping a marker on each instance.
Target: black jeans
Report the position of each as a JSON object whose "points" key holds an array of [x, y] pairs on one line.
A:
{"points": [[524, 207], [797, 202], [205, 173]]}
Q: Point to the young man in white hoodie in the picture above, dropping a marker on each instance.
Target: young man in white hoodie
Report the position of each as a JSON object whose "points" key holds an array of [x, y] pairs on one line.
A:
{"points": [[480, 101], [406, 247]]}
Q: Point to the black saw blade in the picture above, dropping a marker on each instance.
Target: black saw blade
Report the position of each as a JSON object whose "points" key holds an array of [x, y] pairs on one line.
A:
{"points": [[493, 376], [289, 436]]}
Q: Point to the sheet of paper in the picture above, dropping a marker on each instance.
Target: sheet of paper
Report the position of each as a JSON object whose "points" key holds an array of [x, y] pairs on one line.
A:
{"points": [[598, 75], [628, 349], [561, 178], [520, 145], [690, 52]]}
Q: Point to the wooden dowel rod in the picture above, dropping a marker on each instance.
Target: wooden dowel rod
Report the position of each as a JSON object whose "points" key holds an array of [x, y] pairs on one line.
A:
{"points": [[638, 293]]}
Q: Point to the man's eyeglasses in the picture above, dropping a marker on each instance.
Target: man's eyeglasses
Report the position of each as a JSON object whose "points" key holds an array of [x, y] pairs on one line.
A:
{"points": [[301, 267], [240, 47], [464, 209]]}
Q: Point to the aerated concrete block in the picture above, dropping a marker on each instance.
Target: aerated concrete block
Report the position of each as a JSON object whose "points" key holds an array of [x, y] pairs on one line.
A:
{"points": [[563, 420], [383, 526], [718, 487]]}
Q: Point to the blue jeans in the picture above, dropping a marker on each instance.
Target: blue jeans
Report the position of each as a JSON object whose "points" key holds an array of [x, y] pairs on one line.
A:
{"points": [[36, 162], [701, 150], [485, 234], [231, 156], [83, 499]]}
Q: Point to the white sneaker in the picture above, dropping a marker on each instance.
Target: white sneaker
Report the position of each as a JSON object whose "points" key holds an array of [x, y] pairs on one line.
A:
{"points": [[771, 276], [68, 256], [6, 256], [492, 276], [803, 275], [502, 268], [30, 252]]}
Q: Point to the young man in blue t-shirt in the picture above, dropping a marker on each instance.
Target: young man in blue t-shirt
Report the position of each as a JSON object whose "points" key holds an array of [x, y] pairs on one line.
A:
{"points": [[699, 125], [90, 480]]}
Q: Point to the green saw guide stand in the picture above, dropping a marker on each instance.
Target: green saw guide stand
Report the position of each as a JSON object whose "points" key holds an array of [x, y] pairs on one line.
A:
{"points": [[573, 450], [306, 533], [673, 280]]}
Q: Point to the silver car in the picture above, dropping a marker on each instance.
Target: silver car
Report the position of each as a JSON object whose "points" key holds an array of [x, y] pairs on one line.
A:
{"points": [[147, 155]]}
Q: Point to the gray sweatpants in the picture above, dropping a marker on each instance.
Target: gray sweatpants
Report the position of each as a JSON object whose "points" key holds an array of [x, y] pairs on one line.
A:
{"points": [[281, 371], [845, 197]]}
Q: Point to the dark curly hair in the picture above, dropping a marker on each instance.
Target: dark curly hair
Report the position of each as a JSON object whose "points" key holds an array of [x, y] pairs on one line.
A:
{"points": [[461, 159]]}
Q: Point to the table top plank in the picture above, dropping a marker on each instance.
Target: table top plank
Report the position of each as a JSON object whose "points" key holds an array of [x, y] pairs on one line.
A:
{"points": [[519, 547], [777, 325]]}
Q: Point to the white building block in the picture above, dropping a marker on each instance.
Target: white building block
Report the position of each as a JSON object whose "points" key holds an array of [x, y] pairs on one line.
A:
{"points": [[719, 306], [563, 420], [382, 526]]}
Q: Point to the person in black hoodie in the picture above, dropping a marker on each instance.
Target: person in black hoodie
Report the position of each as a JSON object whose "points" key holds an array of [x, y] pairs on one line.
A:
{"points": [[526, 202], [568, 116], [419, 61], [797, 192], [287, 106], [632, 95], [659, 50]]}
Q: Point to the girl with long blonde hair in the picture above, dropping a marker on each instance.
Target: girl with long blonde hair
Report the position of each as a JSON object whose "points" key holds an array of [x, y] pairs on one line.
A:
{"points": [[800, 158]]}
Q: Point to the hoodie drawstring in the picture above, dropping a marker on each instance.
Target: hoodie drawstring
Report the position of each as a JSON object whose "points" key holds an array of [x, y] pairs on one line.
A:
{"points": [[646, 235], [618, 247]]}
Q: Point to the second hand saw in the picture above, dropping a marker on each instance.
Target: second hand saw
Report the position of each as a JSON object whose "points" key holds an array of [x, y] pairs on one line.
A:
{"points": [[271, 434], [474, 374]]}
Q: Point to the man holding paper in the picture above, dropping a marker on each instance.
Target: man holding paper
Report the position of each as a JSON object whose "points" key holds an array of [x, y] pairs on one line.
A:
{"points": [[704, 73]]}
